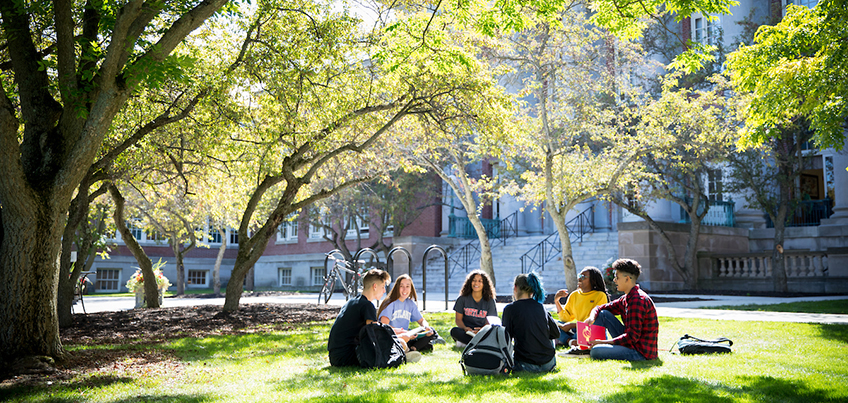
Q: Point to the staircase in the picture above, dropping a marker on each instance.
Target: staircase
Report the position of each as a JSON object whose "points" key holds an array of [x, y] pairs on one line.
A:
{"points": [[594, 250]]}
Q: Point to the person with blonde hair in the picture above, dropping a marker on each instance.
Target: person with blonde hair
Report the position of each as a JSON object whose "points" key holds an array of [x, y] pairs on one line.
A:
{"points": [[400, 309], [475, 303]]}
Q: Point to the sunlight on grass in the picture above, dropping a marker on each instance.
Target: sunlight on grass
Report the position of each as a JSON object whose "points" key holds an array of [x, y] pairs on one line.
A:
{"points": [[838, 306], [771, 362]]}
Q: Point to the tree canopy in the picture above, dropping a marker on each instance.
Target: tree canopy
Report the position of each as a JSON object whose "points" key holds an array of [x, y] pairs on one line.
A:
{"points": [[797, 68]]}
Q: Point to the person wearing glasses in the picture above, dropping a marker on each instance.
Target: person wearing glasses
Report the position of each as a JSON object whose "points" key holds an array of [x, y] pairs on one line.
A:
{"points": [[591, 292]]}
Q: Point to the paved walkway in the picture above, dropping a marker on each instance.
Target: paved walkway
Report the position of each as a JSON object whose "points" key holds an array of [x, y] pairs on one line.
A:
{"points": [[689, 309]]}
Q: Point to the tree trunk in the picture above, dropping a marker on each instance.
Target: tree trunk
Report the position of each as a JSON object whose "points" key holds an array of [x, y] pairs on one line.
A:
{"points": [[29, 280], [778, 258], [151, 289], [568, 265], [486, 264], [245, 259], [216, 271]]}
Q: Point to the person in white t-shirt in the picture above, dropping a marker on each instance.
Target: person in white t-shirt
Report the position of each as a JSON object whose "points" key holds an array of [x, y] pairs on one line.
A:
{"points": [[400, 309]]}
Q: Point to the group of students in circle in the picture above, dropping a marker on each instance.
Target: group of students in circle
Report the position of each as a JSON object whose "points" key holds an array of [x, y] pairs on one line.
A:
{"points": [[532, 328]]}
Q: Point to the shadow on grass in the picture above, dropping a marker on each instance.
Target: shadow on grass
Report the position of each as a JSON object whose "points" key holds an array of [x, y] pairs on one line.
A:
{"points": [[166, 398], [837, 333], [670, 389], [39, 388], [644, 365], [351, 384], [306, 341]]}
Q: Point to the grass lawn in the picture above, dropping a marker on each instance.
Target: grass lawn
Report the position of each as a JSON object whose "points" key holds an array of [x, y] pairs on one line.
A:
{"points": [[771, 362], [838, 306]]}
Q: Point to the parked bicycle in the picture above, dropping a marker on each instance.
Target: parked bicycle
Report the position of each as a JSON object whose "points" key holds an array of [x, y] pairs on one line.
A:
{"points": [[347, 277]]}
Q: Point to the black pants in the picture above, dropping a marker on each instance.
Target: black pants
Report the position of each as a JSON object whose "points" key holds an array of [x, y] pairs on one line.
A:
{"points": [[459, 335], [424, 343]]}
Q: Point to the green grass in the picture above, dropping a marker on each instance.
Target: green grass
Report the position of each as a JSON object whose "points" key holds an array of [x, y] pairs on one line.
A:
{"points": [[771, 362], [839, 306]]}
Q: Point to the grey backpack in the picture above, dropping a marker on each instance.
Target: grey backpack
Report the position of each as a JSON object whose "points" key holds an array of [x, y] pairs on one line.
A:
{"points": [[488, 353]]}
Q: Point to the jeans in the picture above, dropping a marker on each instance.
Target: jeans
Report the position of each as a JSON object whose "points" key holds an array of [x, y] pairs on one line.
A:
{"points": [[564, 336], [613, 351], [547, 367]]}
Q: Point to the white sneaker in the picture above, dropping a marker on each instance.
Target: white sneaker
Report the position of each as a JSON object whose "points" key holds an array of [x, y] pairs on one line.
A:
{"points": [[460, 344], [413, 356]]}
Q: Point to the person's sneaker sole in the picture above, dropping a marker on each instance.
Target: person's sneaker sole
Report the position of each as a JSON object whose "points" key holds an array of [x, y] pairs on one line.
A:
{"points": [[413, 356]]}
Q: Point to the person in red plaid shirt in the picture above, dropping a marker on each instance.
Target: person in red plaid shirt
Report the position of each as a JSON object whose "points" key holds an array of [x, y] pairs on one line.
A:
{"points": [[636, 339]]}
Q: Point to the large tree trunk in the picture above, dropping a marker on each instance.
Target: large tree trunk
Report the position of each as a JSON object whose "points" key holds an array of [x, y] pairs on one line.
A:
{"points": [[29, 279], [151, 289]]}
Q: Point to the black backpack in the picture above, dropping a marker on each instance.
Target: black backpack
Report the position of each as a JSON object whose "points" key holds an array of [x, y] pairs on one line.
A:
{"points": [[693, 345], [488, 353], [379, 347]]}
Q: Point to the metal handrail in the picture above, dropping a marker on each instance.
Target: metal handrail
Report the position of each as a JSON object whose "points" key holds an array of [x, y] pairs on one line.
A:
{"points": [[550, 247], [462, 257], [720, 213], [808, 213], [509, 227]]}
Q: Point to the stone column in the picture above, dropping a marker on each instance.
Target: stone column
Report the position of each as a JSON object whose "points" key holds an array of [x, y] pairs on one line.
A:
{"points": [[840, 190]]}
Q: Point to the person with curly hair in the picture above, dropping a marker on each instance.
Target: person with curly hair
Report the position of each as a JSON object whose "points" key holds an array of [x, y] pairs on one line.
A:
{"points": [[591, 292], [476, 301]]}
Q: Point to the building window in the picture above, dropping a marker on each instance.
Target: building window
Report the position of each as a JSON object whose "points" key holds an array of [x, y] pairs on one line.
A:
{"points": [[703, 30], [715, 187], [318, 276], [285, 275], [197, 278], [355, 223], [135, 229], [233, 237], [316, 231], [288, 229], [214, 236], [805, 3], [107, 280]]}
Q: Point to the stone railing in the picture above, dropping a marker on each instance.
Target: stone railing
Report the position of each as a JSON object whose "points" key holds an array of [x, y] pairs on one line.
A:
{"points": [[759, 265]]}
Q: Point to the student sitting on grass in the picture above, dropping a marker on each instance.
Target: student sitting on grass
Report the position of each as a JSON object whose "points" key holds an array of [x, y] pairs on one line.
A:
{"points": [[476, 301], [636, 339], [531, 328], [354, 315], [590, 293], [400, 309]]}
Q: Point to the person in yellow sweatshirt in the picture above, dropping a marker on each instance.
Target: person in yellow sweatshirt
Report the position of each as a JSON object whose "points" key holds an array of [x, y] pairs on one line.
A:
{"points": [[591, 292]]}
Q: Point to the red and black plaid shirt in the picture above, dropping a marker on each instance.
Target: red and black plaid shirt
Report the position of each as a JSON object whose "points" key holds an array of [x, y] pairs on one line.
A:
{"points": [[640, 322]]}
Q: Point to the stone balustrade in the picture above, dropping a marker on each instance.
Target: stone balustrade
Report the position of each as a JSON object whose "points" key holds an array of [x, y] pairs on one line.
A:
{"points": [[759, 265]]}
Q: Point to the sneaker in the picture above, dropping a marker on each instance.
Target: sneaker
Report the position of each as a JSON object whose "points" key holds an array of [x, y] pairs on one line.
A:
{"points": [[460, 344], [413, 356], [438, 340], [578, 351]]}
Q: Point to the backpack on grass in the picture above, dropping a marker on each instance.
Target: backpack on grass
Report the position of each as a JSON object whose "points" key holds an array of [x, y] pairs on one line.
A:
{"points": [[693, 345], [379, 347], [488, 353]]}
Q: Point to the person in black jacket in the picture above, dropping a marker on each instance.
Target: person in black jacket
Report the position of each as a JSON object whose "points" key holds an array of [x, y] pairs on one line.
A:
{"points": [[530, 326]]}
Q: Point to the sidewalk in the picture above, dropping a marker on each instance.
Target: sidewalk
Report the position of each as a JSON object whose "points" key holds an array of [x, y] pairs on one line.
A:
{"points": [[688, 309]]}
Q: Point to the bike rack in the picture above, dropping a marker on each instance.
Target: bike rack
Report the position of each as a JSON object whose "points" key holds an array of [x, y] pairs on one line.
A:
{"points": [[424, 272], [390, 264], [327, 259], [360, 252]]}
